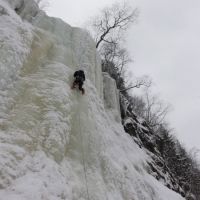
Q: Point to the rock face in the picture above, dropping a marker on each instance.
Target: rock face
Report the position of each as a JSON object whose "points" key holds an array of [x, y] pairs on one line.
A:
{"points": [[149, 142], [54, 142]]}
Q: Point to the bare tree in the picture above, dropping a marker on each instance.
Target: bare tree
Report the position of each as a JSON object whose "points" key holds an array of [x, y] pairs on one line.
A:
{"points": [[107, 30], [109, 52], [113, 52], [112, 21], [116, 60], [138, 105], [155, 110], [143, 81], [122, 61]]}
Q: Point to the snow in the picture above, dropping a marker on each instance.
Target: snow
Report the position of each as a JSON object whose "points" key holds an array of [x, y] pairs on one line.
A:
{"points": [[15, 41], [55, 143]]}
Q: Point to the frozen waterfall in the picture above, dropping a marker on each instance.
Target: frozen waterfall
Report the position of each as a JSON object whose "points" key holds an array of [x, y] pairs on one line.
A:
{"points": [[55, 143]]}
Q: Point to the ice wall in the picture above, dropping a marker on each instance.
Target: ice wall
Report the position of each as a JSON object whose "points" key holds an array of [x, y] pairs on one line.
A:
{"points": [[16, 38], [25, 8], [68, 45], [111, 96], [72, 47], [56, 144]]}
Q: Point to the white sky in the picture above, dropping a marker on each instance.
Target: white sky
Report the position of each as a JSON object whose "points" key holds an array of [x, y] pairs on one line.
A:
{"points": [[165, 45]]}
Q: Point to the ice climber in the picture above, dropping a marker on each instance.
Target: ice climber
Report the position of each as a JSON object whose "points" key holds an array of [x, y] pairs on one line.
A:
{"points": [[79, 78]]}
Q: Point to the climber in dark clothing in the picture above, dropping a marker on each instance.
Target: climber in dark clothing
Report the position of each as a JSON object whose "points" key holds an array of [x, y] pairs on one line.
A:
{"points": [[79, 78]]}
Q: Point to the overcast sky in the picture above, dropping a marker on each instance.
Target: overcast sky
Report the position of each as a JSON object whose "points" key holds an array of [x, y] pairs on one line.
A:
{"points": [[165, 44]]}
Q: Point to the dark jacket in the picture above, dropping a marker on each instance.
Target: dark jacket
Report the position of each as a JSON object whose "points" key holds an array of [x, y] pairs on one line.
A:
{"points": [[79, 75]]}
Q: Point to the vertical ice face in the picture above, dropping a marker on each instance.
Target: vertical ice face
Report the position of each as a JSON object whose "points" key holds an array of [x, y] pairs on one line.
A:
{"points": [[111, 96], [73, 47], [27, 9], [15, 42], [69, 45]]}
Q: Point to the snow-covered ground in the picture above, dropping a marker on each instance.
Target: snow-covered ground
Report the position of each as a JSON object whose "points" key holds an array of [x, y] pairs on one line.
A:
{"points": [[56, 144]]}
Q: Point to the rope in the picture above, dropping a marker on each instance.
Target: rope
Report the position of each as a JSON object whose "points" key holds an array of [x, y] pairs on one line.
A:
{"points": [[83, 159]]}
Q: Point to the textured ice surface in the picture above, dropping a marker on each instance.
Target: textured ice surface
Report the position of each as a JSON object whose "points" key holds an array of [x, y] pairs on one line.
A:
{"points": [[56, 144], [111, 97]]}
